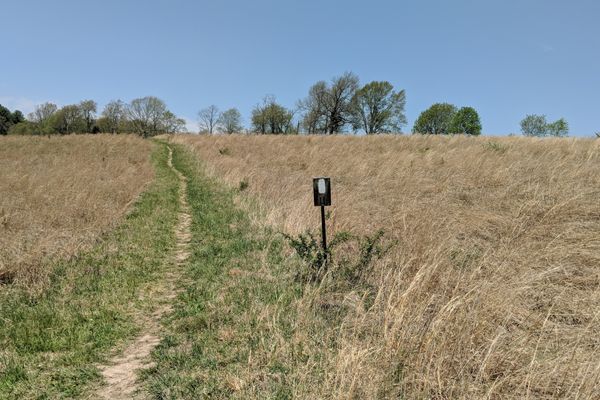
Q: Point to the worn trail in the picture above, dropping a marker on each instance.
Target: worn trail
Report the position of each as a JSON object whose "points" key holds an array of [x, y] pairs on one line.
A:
{"points": [[121, 372]]}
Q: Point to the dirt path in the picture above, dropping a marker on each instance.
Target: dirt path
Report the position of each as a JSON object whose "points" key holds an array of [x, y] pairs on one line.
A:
{"points": [[121, 372]]}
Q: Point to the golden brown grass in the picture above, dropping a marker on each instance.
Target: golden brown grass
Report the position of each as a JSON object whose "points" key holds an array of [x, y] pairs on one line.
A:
{"points": [[58, 194], [493, 288]]}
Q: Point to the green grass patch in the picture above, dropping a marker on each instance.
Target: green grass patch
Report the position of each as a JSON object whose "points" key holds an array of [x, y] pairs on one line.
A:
{"points": [[51, 342], [231, 332]]}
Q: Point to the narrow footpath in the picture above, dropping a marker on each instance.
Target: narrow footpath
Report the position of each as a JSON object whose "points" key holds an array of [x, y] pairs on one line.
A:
{"points": [[121, 372]]}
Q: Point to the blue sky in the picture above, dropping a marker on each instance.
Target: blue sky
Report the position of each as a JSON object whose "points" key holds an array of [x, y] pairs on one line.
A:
{"points": [[506, 58]]}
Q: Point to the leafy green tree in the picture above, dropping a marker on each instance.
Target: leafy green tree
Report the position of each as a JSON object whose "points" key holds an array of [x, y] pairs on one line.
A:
{"points": [[465, 121], [5, 120], [435, 120], [17, 117], [377, 108], [230, 121], [8, 119], [536, 125], [271, 117], [559, 128], [69, 119]]}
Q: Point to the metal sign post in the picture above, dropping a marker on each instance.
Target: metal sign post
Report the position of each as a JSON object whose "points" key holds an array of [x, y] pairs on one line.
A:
{"points": [[322, 196]]}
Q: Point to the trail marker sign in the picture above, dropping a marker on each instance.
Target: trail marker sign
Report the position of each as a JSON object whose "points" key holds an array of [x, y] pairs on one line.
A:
{"points": [[322, 195], [322, 191]]}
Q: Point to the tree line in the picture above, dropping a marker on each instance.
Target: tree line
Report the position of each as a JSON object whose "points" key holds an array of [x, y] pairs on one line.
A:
{"points": [[146, 116], [342, 105], [337, 106], [330, 107]]}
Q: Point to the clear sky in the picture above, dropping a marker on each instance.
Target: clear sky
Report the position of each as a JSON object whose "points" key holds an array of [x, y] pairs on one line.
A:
{"points": [[506, 58]]}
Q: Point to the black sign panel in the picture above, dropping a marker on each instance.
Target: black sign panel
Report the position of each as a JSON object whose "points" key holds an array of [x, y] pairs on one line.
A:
{"points": [[322, 191]]}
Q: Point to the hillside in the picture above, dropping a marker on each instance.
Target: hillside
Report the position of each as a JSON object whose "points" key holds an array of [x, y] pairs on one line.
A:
{"points": [[491, 286], [189, 267]]}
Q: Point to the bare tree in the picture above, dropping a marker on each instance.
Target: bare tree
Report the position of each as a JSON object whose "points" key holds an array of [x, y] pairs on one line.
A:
{"points": [[315, 119], [147, 115], [208, 118], [339, 101], [69, 119], [42, 112], [230, 121], [114, 113], [328, 108], [172, 124]]}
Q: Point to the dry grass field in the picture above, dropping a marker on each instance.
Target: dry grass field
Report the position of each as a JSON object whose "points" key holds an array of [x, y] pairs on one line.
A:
{"points": [[58, 194], [492, 288]]}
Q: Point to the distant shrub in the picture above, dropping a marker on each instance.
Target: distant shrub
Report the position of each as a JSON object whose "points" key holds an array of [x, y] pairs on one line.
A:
{"points": [[243, 185], [495, 146], [536, 125], [24, 128]]}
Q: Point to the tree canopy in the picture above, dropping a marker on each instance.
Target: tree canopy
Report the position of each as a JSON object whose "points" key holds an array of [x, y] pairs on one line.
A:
{"points": [[465, 121], [147, 116], [8, 119], [114, 117], [230, 121], [335, 106], [328, 107], [377, 108], [435, 120], [271, 117], [538, 126]]}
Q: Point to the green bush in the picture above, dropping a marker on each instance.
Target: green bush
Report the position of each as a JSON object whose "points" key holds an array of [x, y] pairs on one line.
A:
{"points": [[24, 128], [243, 185], [345, 264]]}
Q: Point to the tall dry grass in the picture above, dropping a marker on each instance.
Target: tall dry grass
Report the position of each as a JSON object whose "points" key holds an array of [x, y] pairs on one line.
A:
{"points": [[58, 194], [493, 288]]}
